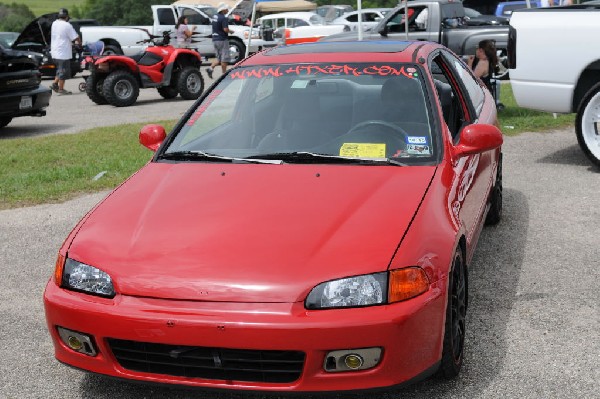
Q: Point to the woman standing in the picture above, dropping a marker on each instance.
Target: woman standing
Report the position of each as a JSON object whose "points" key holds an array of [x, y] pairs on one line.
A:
{"points": [[484, 62], [183, 32]]}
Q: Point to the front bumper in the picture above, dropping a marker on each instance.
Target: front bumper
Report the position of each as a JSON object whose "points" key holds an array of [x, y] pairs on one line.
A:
{"points": [[410, 334], [13, 104]]}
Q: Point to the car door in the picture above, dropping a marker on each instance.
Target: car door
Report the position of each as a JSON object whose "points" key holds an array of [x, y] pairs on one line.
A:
{"points": [[202, 40], [463, 102], [396, 30]]}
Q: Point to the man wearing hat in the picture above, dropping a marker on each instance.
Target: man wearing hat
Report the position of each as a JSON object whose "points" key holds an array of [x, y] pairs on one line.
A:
{"points": [[220, 29], [62, 36]]}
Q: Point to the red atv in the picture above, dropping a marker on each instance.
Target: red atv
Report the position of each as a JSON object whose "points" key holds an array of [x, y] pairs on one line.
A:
{"points": [[116, 79]]}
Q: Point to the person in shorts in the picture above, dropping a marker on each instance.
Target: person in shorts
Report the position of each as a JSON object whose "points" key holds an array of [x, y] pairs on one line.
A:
{"points": [[62, 37], [220, 37]]}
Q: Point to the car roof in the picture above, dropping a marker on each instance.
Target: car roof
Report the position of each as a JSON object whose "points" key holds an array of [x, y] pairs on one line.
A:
{"points": [[351, 51]]}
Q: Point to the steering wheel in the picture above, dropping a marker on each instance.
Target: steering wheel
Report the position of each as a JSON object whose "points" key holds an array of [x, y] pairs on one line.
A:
{"points": [[376, 122]]}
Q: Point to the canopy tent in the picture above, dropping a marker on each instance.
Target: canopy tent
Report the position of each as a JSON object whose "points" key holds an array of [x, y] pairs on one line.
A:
{"points": [[262, 6]]}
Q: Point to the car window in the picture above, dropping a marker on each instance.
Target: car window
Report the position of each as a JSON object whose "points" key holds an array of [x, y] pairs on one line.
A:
{"points": [[165, 16], [194, 17], [474, 89], [295, 22], [352, 18], [356, 110]]}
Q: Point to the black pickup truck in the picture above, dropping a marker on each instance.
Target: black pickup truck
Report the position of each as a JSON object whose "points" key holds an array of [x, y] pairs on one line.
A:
{"points": [[20, 91], [441, 21]]}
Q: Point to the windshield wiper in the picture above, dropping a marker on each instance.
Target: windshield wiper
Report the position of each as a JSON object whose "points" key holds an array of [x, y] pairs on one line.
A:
{"points": [[311, 157], [205, 156]]}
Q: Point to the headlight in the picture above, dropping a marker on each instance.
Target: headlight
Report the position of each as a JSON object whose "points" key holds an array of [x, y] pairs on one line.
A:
{"points": [[369, 289], [78, 276]]}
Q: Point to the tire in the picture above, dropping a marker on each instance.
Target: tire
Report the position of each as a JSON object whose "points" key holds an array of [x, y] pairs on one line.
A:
{"points": [[167, 92], [237, 51], [94, 88], [190, 83], [456, 312], [495, 212], [121, 88], [5, 121], [81, 87], [587, 125], [112, 50]]}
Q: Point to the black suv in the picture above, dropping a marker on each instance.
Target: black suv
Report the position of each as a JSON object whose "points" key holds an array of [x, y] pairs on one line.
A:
{"points": [[20, 91]]}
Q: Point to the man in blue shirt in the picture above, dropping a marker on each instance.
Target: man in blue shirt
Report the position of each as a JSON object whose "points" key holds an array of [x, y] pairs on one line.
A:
{"points": [[220, 29]]}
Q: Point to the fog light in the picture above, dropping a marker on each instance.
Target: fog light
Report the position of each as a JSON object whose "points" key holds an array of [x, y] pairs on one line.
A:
{"points": [[352, 359], [77, 341]]}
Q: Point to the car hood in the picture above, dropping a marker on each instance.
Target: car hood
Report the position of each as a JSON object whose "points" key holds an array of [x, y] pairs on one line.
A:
{"points": [[38, 31], [248, 233]]}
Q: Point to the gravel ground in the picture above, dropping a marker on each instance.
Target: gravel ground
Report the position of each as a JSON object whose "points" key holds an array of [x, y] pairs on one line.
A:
{"points": [[533, 319]]}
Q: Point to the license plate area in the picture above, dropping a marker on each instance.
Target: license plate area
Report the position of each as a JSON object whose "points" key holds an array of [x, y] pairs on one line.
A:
{"points": [[26, 102]]}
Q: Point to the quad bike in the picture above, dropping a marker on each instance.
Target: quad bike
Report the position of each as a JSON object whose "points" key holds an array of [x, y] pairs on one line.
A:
{"points": [[117, 79]]}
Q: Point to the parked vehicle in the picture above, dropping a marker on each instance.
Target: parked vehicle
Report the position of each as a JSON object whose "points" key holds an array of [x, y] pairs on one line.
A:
{"points": [[36, 38], [370, 18], [126, 40], [307, 226], [21, 93], [572, 82], [445, 24], [298, 27], [116, 79], [474, 17], [506, 8], [331, 12]]}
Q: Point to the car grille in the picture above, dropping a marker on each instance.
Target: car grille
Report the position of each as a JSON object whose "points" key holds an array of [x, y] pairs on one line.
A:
{"points": [[209, 363]]}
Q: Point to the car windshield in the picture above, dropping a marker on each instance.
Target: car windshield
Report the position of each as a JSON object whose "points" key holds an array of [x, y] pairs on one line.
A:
{"points": [[311, 113]]}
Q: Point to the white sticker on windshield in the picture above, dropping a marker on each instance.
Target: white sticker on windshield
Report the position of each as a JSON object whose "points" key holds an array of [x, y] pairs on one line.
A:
{"points": [[416, 140], [300, 84]]}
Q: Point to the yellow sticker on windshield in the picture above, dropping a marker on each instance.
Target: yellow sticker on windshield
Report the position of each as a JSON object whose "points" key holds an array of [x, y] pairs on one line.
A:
{"points": [[363, 150]]}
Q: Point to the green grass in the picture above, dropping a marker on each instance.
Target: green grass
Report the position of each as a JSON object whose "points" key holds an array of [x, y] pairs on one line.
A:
{"points": [[514, 120], [40, 7], [56, 168], [59, 167]]}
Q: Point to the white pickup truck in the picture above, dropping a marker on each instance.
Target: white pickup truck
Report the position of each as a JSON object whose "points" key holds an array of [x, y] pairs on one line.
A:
{"points": [[554, 61], [126, 40]]}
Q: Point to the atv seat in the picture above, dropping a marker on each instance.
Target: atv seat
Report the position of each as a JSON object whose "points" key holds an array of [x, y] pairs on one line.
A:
{"points": [[146, 58]]}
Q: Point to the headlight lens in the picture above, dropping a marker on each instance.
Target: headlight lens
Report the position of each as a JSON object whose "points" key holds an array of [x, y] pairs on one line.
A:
{"points": [[365, 290], [81, 277], [369, 289]]}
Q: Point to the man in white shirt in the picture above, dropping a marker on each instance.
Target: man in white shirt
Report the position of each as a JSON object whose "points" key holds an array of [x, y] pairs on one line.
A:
{"points": [[61, 48]]}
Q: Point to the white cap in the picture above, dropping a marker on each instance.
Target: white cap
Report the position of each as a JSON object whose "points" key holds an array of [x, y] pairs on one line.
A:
{"points": [[222, 7]]}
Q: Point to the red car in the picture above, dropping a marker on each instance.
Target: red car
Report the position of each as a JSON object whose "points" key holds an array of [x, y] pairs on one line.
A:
{"points": [[307, 226]]}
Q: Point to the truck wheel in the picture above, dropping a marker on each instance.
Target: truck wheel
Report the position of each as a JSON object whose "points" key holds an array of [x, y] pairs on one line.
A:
{"points": [[93, 89], [237, 51], [588, 125], [190, 83], [121, 88], [5, 121], [167, 92], [112, 50]]}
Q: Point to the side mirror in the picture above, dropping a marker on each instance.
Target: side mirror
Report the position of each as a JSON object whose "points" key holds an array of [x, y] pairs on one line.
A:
{"points": [[478, 138], [152, 136]]}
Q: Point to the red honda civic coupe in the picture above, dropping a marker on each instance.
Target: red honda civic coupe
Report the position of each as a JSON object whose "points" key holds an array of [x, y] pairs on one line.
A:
{"points": [[306, 226]]}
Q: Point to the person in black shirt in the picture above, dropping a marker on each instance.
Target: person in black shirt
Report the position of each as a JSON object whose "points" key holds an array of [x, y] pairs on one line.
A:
{"points": [[484, 62], [220, 29]]}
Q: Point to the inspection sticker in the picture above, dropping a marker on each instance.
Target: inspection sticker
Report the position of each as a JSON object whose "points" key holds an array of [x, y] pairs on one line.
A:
{"points": [[416, 140], [417, 149], [363, 150]]}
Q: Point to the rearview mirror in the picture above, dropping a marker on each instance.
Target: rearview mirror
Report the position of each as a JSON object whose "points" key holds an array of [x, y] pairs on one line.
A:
{"points": [[478, 138], [152, 136]]}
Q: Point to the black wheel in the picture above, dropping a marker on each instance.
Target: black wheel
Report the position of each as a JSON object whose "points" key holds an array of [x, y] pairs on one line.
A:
{"points": [[587, 125], [456, 312], [495, 213], [121, 88], [167, 92], [112, 50], [94, 88], [5, 121], [237, 51], [190, 83]]}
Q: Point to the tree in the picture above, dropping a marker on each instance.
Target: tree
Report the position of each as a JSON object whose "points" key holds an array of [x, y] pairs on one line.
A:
{"points": [[14, 17], [120, 12]]}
